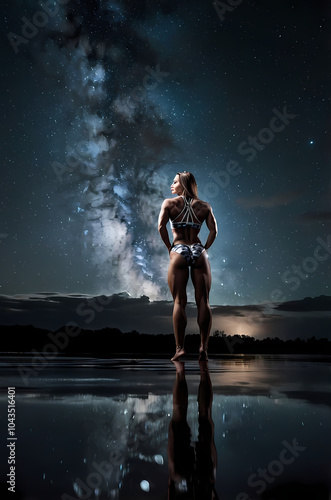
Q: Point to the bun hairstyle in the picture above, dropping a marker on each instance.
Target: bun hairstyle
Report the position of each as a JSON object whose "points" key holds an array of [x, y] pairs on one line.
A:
{"points": [[189, 184]]}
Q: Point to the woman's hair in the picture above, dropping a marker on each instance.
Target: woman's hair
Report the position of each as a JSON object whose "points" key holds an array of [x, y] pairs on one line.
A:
{"points": [[189, 184]]}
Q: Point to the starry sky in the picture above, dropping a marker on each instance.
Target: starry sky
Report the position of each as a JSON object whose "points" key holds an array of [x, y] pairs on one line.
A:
{"points": [[104, 101]]}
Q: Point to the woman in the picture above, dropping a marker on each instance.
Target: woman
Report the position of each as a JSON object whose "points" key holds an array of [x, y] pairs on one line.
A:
{"points": [[187, 213]]}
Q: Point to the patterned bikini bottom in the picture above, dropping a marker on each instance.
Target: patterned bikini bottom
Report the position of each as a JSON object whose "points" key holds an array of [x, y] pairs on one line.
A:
{"points": [[191, 253]]}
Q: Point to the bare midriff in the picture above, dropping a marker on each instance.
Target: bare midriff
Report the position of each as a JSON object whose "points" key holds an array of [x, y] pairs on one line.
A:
{"points": [[186, 236]]}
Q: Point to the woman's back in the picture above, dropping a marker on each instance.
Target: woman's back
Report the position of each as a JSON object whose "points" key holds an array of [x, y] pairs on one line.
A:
{"points": [[187, 216], [187, 256]]}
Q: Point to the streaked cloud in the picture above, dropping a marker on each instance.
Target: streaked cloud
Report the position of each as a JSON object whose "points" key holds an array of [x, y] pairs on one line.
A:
{"points": [[52, 310], [309, 217], [272, 201]]}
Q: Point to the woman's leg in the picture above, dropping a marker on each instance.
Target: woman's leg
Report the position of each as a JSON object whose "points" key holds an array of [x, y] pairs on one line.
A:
{"points": [[178, 274], [201, 278]]}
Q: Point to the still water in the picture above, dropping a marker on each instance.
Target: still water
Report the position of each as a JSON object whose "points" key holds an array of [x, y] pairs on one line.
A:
{"points": [[235, 428]]}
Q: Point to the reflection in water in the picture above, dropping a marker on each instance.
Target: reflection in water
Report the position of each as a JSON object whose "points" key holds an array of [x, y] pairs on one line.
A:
{"points": [[102, 431], [127, 448], [192, 468]]}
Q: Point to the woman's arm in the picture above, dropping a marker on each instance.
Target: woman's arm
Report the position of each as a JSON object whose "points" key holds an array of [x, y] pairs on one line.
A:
{"points": [[162, 224], [212, 226]]}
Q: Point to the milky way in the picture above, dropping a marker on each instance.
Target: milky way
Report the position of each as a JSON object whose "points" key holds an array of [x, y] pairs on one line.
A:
{"points": [[106, 101], [114, 185]]}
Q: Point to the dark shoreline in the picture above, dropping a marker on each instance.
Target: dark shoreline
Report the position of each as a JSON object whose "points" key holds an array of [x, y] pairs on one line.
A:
{"points": [[111, 342]]}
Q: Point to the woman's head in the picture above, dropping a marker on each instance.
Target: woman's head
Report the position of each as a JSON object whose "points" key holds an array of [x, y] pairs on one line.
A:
{"points": [[185, 184]]}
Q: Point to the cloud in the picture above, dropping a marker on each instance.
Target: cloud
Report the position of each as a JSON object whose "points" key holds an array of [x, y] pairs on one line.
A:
{"points": [[310, 217], [273, 201], [321, 303], [53, 310]]}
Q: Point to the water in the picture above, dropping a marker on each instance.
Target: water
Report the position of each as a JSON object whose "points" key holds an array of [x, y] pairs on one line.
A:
{"points": [[245, 428]]}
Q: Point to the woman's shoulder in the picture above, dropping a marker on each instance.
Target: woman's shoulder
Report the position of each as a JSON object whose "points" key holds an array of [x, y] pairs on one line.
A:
{"points": [[202, 204], [171, 202]]}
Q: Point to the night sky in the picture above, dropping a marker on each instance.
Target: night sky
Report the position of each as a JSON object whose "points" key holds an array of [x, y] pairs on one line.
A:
{"points": [[106, 101]]}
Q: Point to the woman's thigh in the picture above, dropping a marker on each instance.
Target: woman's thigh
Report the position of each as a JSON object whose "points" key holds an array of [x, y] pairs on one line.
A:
{"points": [[178, 274], [201, 277]]}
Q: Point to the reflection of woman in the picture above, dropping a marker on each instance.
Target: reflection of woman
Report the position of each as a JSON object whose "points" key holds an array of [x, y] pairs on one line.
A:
{"points": [[192, 469], [187, 213]]}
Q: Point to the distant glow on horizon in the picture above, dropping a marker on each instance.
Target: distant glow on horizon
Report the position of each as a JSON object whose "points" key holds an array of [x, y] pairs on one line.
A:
{"points": [[252, 325]]}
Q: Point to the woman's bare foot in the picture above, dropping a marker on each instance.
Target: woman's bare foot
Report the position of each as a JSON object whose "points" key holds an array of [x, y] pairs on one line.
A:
{"points": [[179, 353], [203, 356]]}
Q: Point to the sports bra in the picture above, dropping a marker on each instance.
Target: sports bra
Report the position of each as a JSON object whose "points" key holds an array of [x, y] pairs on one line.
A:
{"points": [[189, 218]]}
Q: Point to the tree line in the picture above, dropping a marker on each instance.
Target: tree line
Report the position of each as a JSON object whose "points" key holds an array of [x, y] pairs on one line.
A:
{"points": [[108, 342]]}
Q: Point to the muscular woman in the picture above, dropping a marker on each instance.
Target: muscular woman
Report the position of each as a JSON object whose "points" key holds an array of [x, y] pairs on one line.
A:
{"points": [[186, 213]]}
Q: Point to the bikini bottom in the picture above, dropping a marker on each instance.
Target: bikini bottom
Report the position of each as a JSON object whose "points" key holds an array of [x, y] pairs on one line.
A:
{"points": [[191, 253]]}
